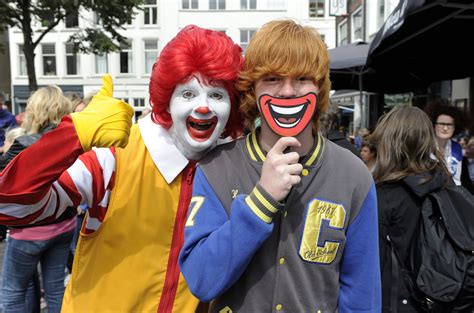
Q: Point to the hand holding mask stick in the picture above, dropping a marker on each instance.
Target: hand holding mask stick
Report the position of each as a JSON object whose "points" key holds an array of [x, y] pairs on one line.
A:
{"points": [[281, 171]]}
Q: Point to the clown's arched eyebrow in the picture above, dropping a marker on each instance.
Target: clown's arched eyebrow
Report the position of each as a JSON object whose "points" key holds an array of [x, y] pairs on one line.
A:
{"points": [[197, 78]]}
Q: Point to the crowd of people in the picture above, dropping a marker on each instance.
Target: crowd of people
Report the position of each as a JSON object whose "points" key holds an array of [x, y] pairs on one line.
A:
{"points": [[198, 208]]}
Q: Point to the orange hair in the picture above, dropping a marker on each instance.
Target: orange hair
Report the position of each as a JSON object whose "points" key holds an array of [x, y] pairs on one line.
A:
{"points": [[288, 49]]}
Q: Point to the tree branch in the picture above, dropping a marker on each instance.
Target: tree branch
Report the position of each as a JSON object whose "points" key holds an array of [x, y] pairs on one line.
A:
{"points": [[50, 27]]}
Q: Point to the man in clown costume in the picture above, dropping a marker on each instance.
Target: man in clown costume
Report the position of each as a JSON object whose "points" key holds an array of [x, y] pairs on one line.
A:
{"points": [[283, 220], [137, 182]]}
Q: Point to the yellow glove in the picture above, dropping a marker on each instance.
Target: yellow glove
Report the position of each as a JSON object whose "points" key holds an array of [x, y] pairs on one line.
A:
{"points": [[106, 121]]}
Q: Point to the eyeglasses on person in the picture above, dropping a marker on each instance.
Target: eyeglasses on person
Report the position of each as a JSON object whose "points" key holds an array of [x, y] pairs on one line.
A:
{"points": [[447, 125]]}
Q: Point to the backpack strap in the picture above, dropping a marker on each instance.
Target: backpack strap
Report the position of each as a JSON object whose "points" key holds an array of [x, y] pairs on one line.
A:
{"points": [[394, 280]]}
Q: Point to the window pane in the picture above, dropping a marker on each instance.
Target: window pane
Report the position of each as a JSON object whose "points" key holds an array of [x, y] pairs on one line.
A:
{"points": [[213, 4], [72, 20], [147, 16], [151, 53], [243, 4], [139, 102], [49, 65], [253, 4], [185, 4], [69, 48], [101, 64], [150, 58], [155, 15], [194, 4], [22, 60], [221, 4], [71, 63], [23, 70], [47, 18], [124, 62], [150, 1], [149, 45], [125, 45], [244, 36], [48, 49], [320, 12]]}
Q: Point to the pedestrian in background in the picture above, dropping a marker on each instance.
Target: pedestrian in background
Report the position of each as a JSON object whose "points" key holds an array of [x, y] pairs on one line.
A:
{"points": [[7, 120], [10, 137], [48, 244], [467, 171], [448, 122], [368, 153], [330, 127], [408, 167]]}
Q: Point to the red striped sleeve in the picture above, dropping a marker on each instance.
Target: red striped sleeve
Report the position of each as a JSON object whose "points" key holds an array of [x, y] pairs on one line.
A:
{"points": [[101, 165], [28, 177], [26, 195]]}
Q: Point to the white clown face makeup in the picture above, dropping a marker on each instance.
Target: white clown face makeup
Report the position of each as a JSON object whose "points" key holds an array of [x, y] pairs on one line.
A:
{"points": [[199, 113]]}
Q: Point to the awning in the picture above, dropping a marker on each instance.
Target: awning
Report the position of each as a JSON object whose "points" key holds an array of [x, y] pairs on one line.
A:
{"points": [[426, 40]]}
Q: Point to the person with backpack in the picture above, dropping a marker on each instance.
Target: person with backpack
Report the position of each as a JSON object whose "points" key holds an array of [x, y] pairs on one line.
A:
{"points": [[411, 178], [448, 122]]}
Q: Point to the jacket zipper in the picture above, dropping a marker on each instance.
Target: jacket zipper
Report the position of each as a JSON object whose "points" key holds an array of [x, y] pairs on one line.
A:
{"points": [[172, 274]]}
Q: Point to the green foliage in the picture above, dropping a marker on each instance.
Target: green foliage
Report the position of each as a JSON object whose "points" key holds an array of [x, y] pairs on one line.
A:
{"points": [[99, 39]]}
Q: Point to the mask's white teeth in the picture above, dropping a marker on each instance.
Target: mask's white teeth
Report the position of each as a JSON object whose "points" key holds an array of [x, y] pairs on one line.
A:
{"points": [[287, 111], [287, 125]]}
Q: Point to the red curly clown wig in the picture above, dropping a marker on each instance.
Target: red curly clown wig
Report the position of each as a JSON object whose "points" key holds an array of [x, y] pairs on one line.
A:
{"points": [[196, 50]]}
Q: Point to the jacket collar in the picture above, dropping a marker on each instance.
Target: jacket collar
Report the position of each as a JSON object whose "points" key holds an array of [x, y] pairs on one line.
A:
{"points": [[166, 156], [257, 154]]}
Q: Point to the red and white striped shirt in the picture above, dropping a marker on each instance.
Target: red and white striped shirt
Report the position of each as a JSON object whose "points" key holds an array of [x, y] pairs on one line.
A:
{"points": [[36, 188]]}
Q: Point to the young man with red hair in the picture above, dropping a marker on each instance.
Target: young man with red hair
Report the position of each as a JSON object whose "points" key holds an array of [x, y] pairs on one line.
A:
{"points": [[283, 220], [138, 185]]}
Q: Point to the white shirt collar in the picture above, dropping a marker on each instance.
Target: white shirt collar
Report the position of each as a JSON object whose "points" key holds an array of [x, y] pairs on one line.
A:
{"points": [[166, 156]]}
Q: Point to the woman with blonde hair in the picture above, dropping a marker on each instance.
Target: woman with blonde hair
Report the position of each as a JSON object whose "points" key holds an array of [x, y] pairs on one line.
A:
{"points": [[409, 165], [47, 244]]}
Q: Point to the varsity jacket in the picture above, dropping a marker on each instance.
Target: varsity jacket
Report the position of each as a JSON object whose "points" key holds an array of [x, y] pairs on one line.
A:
{"points": [[126, 258], [317, 252]]}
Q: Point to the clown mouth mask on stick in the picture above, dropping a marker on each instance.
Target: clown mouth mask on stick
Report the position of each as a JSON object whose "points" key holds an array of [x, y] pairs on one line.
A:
{"points": [[288, 116]]}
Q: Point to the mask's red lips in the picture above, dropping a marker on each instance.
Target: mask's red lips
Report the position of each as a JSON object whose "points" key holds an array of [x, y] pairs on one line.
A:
{"points": [[201, 129], [288, 116]]}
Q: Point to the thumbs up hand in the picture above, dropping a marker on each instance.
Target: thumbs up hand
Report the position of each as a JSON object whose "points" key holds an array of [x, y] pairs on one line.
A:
{"points": [[106, 121]]}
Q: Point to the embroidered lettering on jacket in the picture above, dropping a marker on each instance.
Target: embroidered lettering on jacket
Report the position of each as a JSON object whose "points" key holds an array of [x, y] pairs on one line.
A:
{"points": [[194, 206], [320, 216]]}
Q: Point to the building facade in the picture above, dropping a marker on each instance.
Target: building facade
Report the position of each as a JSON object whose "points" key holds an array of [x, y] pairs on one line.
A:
{"points": [[148, 33], [5, 83], [361, 21]]}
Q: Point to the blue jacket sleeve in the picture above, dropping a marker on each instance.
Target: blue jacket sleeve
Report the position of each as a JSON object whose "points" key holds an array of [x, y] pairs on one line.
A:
{"points": [[360, 289], [218, 247]]}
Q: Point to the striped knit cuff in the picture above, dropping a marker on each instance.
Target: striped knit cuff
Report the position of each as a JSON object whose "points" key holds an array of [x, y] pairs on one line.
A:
{"points": [[262, 204]]}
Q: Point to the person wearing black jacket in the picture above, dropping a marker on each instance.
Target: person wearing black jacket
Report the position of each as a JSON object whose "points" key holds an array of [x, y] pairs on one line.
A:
{"points": [[329, 123], [407, 168]]}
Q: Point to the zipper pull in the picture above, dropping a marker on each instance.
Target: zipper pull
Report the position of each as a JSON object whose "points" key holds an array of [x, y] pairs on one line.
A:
{"points": [[191, 169]]}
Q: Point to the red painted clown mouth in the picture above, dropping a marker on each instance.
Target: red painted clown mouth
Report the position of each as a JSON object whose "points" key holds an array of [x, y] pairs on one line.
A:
{"points": [[288, 117], [199, 129]]}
